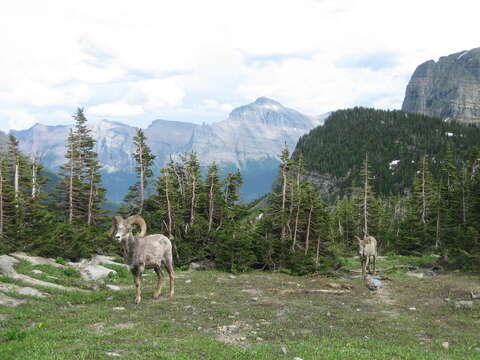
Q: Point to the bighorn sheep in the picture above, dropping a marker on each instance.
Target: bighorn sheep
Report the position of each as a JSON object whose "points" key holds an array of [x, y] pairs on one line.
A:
{"points": [[144, 252], [367, 248]]}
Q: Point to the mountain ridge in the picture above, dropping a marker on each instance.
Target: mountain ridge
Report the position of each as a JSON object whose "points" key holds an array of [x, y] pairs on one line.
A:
{"points": [[252, 134]]}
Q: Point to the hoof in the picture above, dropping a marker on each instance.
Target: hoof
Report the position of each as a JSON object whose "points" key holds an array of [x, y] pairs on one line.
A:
{"points": [[137, 301]]}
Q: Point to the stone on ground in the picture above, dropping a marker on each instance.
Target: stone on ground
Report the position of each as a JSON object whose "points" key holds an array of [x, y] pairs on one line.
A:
{"points": [[9, 301], [22, 290], [36, 260], [32, 281], [6, 265], [94, 272]]}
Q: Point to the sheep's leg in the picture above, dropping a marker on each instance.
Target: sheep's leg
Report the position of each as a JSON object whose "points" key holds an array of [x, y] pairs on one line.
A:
{"points": [[158, 290], [362, 259], [374, 264], [138, 291], [367, 265], [171, 275]]}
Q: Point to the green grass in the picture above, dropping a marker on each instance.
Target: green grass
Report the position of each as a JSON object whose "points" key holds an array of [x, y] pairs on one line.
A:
{"points": [[194, 323]]}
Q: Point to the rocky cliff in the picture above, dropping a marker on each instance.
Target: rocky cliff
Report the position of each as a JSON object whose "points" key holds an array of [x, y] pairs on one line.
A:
{"points": [[448, 88]]}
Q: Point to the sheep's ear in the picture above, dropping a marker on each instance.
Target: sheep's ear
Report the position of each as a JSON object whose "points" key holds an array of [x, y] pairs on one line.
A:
{"points": [[358, 239]]}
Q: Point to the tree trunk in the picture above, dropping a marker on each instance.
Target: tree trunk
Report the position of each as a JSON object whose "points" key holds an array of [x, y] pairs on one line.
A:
{"points": [[317, 259], [424, 200], [16, 183], [70, 186], [34, 177], [210, 206], [284, 195], [142, 175], [192, 206], [169, 208], [365, 199], [307, 236], [1, 199], [90, 199]]}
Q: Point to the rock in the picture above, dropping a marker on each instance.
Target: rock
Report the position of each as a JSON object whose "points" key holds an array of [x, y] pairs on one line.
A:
{"points": [[449, 88], [113, 287], [254, 299], [201, 265], [188, 281], [94, 272], [412, 308], [445, 345], [232, 277], [37, 272], [10, 301], [284, 350], [36, 260], [464, 304], [29, 280], [416, 275], [297, 358], [22, 290], [103, 259], [118, 308], [475, 293], [113, 354], [6, 265]]}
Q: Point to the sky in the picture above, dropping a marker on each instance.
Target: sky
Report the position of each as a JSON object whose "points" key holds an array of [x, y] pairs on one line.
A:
{"points": [[137, 61]]}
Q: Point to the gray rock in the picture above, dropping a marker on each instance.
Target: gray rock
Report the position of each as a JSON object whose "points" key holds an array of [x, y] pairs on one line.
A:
{"points": [[448, 88], [6, 265], [113, 287], [36, 260], [23, 290], [416, 275], [10, 301], [464, 304], [90, 272], [37, 272]]}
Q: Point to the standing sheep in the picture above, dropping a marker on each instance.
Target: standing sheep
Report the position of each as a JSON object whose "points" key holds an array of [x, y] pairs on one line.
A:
{"points": [[143, 251], [367, 249]]}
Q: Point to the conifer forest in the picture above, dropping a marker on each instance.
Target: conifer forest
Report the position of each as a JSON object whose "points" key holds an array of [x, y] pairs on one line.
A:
{"points": [[411, 181]]}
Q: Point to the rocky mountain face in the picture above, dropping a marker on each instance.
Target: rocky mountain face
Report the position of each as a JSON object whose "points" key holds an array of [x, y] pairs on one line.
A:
{"points": [[251, 139], [448, 88]]}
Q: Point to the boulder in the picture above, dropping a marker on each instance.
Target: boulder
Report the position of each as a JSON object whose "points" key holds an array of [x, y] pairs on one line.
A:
{"points": [[464, 304], [6, 265], [23, 290], [94, 272], [36, 260], [103, 259], [10, 301]]}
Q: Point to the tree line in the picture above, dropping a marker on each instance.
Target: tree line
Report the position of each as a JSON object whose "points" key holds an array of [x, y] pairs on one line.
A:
{"points": [[292, 229]]}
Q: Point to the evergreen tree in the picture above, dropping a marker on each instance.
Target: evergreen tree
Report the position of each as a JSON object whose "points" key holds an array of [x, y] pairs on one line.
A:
{"points": [[144, 158]]}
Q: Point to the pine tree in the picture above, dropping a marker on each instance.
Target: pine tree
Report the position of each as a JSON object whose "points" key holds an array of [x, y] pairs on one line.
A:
{"points": [[144, 159], [79, 190]]}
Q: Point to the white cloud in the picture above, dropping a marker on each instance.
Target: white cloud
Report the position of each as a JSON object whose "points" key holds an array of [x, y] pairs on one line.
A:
{"points": [[170, 58], [161, 92], [16, 119], [116, 109]]}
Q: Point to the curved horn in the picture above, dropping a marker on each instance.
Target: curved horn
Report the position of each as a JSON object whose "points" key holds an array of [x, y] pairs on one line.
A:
{"points": [[359, 240], [116, 220], [137, 219]]}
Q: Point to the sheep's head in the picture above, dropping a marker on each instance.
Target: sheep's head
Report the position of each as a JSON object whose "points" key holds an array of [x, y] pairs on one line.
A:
{"points": [[124, 227], [361, 246]]}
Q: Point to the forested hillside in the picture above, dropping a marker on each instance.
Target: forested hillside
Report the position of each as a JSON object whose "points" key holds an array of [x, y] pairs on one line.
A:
{"points": [[394, 140]]}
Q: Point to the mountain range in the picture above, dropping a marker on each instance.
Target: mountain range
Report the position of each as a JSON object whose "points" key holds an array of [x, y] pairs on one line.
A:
{"points": [[250, 139]]}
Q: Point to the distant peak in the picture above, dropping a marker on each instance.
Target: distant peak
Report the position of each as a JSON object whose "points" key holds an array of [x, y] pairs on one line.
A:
{"points": [[266, 101]]}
